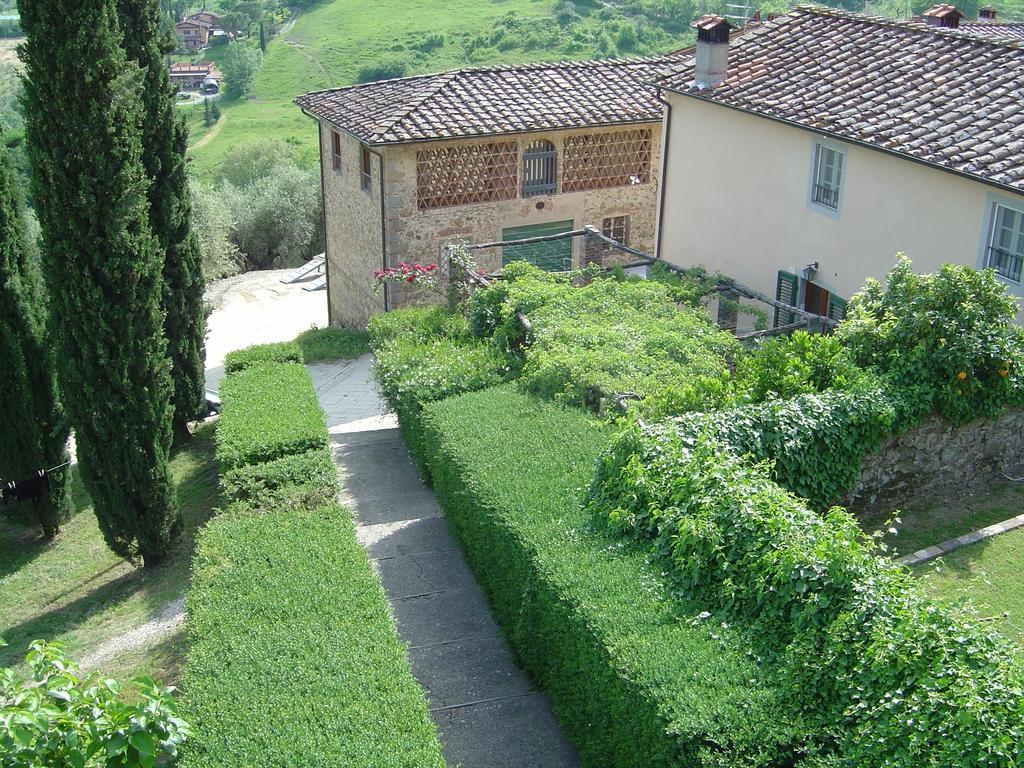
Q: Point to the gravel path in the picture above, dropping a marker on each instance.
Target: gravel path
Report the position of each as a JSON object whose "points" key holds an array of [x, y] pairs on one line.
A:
{"points": [[171, 617]]}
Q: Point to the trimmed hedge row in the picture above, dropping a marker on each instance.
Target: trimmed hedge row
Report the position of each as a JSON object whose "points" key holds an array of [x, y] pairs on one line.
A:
{"points": [[280, 352], [294, 660], [269, 411], [881, 675], [636, 679], [412, 373]]}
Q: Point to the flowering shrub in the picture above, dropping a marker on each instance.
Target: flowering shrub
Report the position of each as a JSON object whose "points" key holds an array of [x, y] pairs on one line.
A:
{"points": [[62, 719], [880, 674], [423, 275]]}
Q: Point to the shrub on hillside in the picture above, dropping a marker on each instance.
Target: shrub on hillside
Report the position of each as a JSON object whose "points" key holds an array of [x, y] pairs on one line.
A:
{"points": [[946, 341], [881, 675], [383, 69], [240, 64], [269, 411], [212, 220], [63, 718], [278, 352]]}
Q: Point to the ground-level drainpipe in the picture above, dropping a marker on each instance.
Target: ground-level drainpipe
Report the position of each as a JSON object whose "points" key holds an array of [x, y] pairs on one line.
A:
{"points": [[666, 129]]}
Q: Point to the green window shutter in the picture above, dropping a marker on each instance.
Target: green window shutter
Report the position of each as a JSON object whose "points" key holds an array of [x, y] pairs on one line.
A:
{"points": [[786, 290], [836, 308]]}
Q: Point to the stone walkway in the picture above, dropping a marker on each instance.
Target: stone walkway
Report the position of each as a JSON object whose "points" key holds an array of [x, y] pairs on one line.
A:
{"points": [[945, 547], [486, 709]]}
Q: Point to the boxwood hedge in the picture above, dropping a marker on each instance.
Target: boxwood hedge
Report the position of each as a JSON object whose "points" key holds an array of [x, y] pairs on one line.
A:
{"points": [[308, 478], [636, 678], [268, 411], [294, 659], [280, 352]]}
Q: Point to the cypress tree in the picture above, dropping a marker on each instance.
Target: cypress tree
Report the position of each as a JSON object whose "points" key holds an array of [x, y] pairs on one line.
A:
{"points": [[164, 143], [263, 39], [35, 433], [103, 266]]}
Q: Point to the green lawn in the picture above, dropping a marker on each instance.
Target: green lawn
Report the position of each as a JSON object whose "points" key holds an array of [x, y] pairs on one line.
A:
{"points": [[329, 43], [77, 591], [320, 344], [989, 575], [932, 521]]}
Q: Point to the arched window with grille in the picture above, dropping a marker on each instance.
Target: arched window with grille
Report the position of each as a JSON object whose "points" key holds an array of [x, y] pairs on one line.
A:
{"points": [[540, 168]]}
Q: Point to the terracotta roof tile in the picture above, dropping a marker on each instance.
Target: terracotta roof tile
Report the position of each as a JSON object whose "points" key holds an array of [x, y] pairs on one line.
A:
{"points": [[495, 100], [936, 95], [996, 30]]}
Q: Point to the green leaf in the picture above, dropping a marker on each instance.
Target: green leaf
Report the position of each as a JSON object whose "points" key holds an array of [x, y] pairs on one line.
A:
{"points": [[143, 742]]}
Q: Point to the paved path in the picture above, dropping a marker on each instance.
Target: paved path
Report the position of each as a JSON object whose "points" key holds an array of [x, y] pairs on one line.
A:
{"points": [[488, 712]]}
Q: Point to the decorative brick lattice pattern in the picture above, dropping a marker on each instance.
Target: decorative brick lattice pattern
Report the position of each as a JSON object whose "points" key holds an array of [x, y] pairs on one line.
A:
{"points": [[466, 173], [601, 160]]}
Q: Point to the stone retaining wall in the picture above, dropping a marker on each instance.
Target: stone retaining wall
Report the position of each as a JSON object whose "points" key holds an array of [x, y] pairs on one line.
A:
{"points": [[936, 457]]}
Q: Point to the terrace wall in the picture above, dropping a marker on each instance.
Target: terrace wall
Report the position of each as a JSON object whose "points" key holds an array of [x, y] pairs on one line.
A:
{"points": [[937, 457]]}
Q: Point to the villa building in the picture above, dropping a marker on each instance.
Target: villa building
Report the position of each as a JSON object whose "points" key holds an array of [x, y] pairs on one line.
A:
{"points": [[803, 156], [484, 154]]}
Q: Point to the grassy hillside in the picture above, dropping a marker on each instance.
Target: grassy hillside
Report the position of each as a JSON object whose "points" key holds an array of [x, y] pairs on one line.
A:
{"points": [[329, 44]]}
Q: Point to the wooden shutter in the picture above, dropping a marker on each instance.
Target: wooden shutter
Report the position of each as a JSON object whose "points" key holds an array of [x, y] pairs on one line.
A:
{"points": [[787, 290], [836, 308]]}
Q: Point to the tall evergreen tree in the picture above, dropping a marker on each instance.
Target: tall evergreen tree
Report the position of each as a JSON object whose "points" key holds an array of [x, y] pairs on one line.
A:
{"points": [[164, 142], [102, 264], [35, 433]]}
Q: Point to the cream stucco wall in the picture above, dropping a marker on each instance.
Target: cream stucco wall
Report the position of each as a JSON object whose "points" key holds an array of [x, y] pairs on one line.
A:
{"points": [[737, 201], [353, 233]]}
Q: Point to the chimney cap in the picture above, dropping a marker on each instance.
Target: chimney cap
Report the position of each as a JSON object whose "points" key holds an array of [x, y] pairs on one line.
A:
{"points": [[943, 12], [712, 21], [987, 12]]}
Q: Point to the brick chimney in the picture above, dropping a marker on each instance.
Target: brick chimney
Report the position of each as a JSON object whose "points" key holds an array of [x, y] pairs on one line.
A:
{"points": [[987, 13], [943, 16], [712, 57]]}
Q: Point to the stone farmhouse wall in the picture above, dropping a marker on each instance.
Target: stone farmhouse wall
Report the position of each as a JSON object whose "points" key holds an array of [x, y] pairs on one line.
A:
{"points": [[415, 234], [353, 233], [936, 457]]}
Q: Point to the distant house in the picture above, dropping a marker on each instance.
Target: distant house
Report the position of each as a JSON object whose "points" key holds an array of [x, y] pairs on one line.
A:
{"points": [[208, 17], [188, 77], [801, 157], [193, 35], [488, 154]]}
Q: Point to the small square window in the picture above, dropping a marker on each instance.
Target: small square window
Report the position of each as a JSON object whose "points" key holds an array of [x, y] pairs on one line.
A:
{"points": [[336, 150], [1006, 243], [364, 174], [828, 176], [617, 228]]}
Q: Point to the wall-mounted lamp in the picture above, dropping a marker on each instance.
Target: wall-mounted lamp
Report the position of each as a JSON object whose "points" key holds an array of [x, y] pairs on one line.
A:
{"points": [[809, 272]]}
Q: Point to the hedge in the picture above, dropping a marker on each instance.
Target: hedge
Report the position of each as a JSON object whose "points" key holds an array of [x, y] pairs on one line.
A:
{"points": [[412, 373], [281, 352], [815, 443], [882, 676], [635, 679], [268, 411], [293, 656], [307, 478]]}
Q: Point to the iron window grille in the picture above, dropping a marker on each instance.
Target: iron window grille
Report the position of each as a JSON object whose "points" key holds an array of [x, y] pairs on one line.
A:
{"points": [[540, 163], [828, 176], [1006, 248]]}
